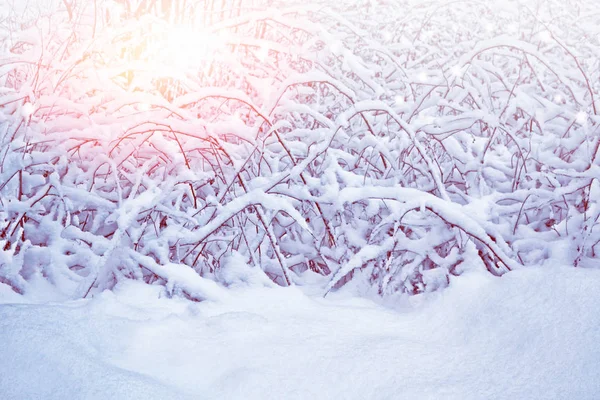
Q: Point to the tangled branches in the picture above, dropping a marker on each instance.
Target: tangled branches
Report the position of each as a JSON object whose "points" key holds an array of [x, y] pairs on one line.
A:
{"points": [[316, 144]]}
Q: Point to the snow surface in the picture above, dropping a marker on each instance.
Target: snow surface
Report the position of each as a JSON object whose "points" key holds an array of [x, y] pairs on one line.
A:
{"points": [[532, 334]]}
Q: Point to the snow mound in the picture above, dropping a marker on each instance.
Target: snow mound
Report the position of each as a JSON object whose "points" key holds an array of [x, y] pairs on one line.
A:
{"points": [[532, 334]]}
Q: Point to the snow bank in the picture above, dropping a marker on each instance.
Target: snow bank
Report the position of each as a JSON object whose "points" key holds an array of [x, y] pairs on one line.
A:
{"points": [[532, 334]]}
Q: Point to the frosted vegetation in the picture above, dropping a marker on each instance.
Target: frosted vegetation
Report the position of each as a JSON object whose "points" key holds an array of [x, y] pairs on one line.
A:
{"points": [[388, 145]]}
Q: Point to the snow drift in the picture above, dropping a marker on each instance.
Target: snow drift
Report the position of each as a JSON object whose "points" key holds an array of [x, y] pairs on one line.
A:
{"points": [[531, 335]]}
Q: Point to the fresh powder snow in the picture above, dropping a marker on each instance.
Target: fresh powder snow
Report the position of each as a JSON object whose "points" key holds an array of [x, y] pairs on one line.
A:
{"points": [[532, 334]]}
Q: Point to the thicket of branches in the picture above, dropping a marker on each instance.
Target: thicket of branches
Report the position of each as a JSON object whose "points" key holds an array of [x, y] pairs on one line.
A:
{"points": [[391, 143]]}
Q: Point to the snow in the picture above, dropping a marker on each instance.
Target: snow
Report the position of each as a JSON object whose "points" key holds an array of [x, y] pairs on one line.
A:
{"points": [[27, 110], [162, 172], [532, 334]]}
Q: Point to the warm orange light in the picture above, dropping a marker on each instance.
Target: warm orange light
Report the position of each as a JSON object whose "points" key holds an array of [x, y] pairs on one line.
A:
{"points": [[180, 48]]}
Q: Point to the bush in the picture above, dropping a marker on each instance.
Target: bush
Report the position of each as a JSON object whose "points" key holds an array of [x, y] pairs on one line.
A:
{"points": [[391, 144]]}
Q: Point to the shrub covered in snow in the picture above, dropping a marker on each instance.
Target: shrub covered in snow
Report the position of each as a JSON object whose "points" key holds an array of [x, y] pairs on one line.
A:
{"points": [[395, 144]]}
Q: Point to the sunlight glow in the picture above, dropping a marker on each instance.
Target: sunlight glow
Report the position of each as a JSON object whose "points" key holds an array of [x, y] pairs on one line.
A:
{"points": [[180, 47], [144, 107]]}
